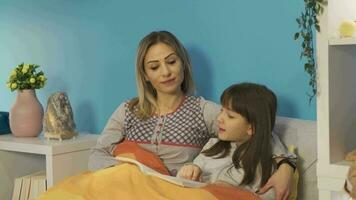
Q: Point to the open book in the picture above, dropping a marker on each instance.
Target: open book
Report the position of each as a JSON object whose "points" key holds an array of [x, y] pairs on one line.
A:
{"points": [[172, 179]]}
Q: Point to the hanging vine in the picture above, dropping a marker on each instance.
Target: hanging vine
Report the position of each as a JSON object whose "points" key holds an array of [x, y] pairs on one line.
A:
{"points": [[308, 22]]}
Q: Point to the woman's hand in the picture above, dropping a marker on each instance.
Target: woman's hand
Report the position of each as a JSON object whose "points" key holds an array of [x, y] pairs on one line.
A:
{"points": [[191, 172], [281, 181]]}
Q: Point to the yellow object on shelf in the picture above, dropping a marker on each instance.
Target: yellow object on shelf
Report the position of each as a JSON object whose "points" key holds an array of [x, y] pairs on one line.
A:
{"points": [[347, 29]]}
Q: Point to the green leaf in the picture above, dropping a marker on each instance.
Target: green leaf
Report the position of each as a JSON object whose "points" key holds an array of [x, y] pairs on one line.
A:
{"points": [[306, 66], [317, 27], [321, 10], [298, 21], [307, 23]]}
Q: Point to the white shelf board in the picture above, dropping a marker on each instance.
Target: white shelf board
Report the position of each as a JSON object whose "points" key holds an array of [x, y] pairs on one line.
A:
{"points": [[335, 170], [40, 145], [342, 41], [332, 184], [332, 176]]}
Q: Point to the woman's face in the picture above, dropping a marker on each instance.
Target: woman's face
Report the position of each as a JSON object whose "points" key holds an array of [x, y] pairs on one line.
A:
{"points": [[163, 69], [233, 126]]}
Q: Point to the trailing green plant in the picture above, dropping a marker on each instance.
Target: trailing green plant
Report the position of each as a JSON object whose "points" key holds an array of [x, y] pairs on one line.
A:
{"points": [[308, 22], [25, 77]]}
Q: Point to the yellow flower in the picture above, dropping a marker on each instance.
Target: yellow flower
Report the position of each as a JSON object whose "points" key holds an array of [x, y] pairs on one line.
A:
{"points": [[13, 73], [32, 80], [42, 78], [13, 85], [24, 76], [25, 68]]}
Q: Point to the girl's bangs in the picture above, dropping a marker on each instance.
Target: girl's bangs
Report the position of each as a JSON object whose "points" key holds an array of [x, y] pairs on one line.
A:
{"points": [[232, 100]]}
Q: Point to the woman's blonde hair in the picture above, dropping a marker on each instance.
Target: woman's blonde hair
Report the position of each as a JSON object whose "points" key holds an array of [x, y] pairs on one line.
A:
{"points": [[144, 104]]}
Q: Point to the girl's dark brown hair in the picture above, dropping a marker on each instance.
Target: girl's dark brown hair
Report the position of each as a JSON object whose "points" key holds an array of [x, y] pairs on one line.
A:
{"points": [[258, 105]]}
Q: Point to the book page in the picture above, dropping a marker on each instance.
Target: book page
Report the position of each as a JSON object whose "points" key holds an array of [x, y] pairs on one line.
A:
{"points": [[33, 189], [36, 183], [17, 189], [25, 189], [26, 184], [172, 179]]}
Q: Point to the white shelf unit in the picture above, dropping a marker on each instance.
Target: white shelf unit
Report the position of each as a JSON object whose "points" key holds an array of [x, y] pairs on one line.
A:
{"points": [[336, 100], [342, 41], [60, 159]]}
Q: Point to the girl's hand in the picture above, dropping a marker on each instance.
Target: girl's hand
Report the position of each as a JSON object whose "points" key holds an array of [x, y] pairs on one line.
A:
{"points": [[191, 172], [281, 181]]}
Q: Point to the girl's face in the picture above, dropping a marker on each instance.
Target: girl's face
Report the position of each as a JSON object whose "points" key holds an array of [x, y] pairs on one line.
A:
{"points": [[163, 69], [233, 127]]}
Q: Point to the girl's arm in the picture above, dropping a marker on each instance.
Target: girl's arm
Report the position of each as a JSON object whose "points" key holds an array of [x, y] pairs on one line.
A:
{"points": [[193, 171], [190, 172], [101, 155]]}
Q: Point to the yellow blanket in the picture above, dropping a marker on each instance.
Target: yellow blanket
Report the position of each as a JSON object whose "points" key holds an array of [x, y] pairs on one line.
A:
{"points": [[126, 181]]}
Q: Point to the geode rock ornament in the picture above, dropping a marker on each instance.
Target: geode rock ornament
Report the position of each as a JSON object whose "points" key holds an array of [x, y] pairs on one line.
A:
{"points": [[58, 120]]}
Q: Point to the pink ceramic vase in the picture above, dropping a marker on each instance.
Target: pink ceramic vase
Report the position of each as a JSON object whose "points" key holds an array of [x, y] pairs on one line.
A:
{"points": [[26, 115]]}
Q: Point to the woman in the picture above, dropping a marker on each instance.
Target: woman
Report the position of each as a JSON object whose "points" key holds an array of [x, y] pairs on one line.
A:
{"points": [[165, 118]]}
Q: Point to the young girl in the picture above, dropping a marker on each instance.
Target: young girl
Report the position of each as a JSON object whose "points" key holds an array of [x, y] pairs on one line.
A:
{"points": [[242, 156]]}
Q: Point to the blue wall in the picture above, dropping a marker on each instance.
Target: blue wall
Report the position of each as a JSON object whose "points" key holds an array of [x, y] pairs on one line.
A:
{"points": [[87, 48]]}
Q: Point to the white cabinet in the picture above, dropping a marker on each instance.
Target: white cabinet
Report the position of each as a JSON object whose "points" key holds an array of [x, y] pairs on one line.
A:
{"points": [[336, 101], [60, 159]]}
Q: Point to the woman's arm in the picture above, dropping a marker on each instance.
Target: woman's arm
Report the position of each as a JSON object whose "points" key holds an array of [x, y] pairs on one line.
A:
{"points": [[210, 112], [280, 151], [282, 179], [101, 155]]}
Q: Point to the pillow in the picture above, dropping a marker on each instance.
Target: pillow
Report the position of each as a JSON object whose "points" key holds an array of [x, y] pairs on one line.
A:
{"points": [[4, 123], [294, 192]]}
